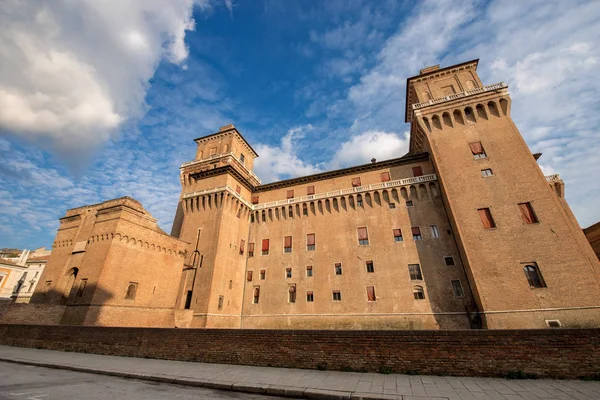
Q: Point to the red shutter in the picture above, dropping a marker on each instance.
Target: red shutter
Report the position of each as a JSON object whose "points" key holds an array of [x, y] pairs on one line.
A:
{"points": [[249, 276], [415, 230], [310, 190], [385, 177], [486, 218], [310, 239], [265, 245], [238, 189], [309, 293], [476, 148], [250, 247], [397, 232], [309, 267], [417, 171], [527, 213], [254, 199], [362, 234], [292, 289], [287, 242], [371, 293], [355, 182], [242, 245], [290, 194], [256, 292]]}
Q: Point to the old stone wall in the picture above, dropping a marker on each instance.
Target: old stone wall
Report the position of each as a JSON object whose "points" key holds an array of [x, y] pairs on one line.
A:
{"points": [[559, 353], [39, 314]]}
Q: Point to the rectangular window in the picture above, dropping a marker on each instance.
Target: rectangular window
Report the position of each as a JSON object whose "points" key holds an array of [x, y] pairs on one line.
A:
{"points": [[486, 218], [310, 190], [338, 268], [220, 305], [256, 294], [398, 235], [309, 270], [449, 260], [310, 297], [264, 216], [249, 276], [242, 246], [304, 209], [418, 293], [534, 275], [385, 177], [287, 244], [254, 199], [416, 233], [292, 294], [288, 272], [415, 272], [337, 295], [242, 158], [486, 172], [477, 150], [371, 293], [82, 286], [291, 212], [457, 289], [359, 201], [417, 171], [238, 189], [290, 194], [355, 182], [263, 274], [310, 241], [370, 266], [363, 236], [527, 213], [265, 247], [409, 203], [250, 249], [435, 233]]}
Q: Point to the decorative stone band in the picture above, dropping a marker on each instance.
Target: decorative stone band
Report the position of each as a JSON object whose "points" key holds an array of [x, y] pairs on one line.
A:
{"points": [[553, 178], [490, 88], [318, 196], [218, 157]]}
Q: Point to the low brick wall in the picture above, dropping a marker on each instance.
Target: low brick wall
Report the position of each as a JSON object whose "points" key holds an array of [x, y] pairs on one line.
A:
{"points": [[558, 353]]}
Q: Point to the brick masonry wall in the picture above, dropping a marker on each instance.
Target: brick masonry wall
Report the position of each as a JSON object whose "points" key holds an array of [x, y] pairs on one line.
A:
{"points": [[560, 353]]}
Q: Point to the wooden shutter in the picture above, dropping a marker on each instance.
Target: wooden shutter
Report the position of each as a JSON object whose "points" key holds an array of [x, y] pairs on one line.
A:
{"points": [[290, 194], [250, 247], [309, 293], [385, 177], [486, 218], [256, 292], [238, 189], [249, 276], [292, 289], [242, 245], [527, 213], [310, 190], [362, 234], [416, 231], [371, 293], [265, 245], [254, 199], [397, 232], [309, 267], [355, 182], [310, 239], [417, 171], [287, 241], [476, 148]]}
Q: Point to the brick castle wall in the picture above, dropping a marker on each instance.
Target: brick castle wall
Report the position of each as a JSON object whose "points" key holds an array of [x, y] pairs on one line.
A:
{"points": [[560, 353]]}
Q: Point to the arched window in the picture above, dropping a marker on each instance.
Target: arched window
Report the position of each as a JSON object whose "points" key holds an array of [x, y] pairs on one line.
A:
{"points": [[534, 276], [469, 114], [131, 290], [418, 293], [359, 200]]}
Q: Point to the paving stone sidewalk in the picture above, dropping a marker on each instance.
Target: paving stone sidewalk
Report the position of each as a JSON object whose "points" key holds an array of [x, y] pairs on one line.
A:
{"points": [[309, 384]]}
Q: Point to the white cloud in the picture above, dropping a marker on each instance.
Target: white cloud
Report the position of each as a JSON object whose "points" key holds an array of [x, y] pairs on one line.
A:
{"points": [[360, 149], [73, 72]]}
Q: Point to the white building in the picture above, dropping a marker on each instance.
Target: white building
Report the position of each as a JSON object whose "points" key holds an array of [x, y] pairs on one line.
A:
{"points": [[20, 275]]}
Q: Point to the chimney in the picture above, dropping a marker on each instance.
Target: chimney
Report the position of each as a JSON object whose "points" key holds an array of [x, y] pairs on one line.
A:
{"points": [[373, 160], [226, 127], [427, 70]]}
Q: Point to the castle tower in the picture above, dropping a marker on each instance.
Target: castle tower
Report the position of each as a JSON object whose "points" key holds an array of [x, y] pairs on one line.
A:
{"points": [[526, 258], [212, 216]]}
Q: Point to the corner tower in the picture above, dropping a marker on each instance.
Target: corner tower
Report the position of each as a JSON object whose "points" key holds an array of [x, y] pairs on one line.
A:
{"points": [[212, 217], [525, 255]]}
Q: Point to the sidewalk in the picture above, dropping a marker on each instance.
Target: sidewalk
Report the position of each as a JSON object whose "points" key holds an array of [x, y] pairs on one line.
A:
{"points": [[309, 384]]}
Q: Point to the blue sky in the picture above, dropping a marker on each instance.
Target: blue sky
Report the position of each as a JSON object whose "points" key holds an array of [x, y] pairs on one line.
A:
{"points": [[103, 99]]}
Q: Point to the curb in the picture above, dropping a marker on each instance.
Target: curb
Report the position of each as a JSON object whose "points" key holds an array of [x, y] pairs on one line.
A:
{"points": [[269, 390]]}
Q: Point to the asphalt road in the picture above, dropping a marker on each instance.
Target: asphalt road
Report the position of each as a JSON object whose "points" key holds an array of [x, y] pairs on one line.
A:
{"points": [[23, 382]]}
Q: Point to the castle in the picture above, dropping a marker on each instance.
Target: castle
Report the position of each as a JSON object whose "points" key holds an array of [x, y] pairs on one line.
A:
{"points": [[462, 232]]}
